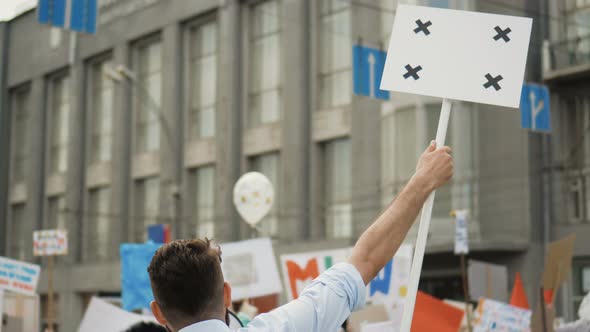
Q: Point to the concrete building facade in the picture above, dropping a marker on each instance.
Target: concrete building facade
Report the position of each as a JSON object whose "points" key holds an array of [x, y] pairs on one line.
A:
{"points": [[566, 70], [153, 120]]}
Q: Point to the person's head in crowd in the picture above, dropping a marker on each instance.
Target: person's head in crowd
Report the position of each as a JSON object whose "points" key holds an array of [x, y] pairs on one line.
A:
{"points": [[146, 327], [188, 283]]}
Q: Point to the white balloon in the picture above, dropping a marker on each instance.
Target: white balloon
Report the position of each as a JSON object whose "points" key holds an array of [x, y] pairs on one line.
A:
{"points": [[253, 197]]}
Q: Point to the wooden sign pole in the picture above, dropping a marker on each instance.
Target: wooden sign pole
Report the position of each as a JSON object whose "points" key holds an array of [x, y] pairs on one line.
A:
{"points": [[50, 318], [466, 293], [543, 313], [441, 133]]}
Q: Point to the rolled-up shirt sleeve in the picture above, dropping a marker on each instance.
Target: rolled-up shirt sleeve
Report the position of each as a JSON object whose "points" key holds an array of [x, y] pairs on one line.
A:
{"points": [[322, 306]]}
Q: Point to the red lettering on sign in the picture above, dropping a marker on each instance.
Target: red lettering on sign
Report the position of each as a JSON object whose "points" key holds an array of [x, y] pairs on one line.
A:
{"points": [[296, 273]]}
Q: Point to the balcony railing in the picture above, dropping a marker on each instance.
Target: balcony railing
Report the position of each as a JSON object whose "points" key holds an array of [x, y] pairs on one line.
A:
{"points": [[569, 53]]}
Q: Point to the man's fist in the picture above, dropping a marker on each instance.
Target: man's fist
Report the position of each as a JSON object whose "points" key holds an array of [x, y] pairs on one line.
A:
{"points": [[435, 167]]}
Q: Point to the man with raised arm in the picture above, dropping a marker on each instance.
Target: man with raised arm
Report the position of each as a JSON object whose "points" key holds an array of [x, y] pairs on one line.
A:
{"points": [[192, 296]]}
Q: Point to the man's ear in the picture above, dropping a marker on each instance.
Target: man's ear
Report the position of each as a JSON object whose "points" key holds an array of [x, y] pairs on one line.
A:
{"points": [[158, 313], [226, 295]]}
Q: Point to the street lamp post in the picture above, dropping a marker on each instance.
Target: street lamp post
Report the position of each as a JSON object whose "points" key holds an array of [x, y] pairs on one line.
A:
{"points": [[123, 74]]}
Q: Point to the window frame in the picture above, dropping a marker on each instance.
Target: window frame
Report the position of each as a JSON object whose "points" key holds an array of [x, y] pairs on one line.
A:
{"points": [[188, 30], [137, 105]]}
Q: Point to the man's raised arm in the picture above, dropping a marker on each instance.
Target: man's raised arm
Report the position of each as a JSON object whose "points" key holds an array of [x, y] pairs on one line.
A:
{"points": [[380, 241]]}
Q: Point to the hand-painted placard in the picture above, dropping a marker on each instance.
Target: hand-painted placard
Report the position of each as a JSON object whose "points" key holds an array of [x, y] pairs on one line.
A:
{"points": [[391, 282], [501, 317], [250, 268], [457, 55], [136, 290], [50, 242], [17, 276]]}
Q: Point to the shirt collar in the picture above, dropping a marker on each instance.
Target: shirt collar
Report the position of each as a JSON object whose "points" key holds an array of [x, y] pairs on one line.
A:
{"points": [[208, 325]]}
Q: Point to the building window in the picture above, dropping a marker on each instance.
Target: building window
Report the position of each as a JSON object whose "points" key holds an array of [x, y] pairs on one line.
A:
{"points": [[20, 147], [101, 113], [203, 184], [269, 165], [147, 206], [577, 16], [265, 75], [581, 281], [21, 233], [444, 194], [98, 229], [335, 54], [56, 213], [148, 97], [60, 115], [402, 147], [202, 80], [337, 209]]}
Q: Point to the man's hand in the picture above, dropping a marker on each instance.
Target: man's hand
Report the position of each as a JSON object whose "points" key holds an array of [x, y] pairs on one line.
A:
{"points": [[435, 167], [380, 241]]}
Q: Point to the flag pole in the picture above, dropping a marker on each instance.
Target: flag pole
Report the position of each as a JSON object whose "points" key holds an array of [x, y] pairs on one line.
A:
{"points": [[410, 302]]}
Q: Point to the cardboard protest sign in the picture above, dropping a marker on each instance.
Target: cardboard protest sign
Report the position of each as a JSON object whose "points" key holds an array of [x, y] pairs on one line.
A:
{"points": [[135, 281], [431, 312], [461, 233], [51, 242], [103, 316], [537, 324], [487, 280], [250, 267], [458, 55], [558, 262], [500, 317], [391, 282], [369, 314], [19, 277]]}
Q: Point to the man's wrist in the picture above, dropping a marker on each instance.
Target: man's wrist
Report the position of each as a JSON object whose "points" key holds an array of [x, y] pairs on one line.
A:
{"points": [[422, 183]]}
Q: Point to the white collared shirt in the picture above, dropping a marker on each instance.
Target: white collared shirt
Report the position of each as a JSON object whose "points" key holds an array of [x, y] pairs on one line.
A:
{"points": [[322, 306]]}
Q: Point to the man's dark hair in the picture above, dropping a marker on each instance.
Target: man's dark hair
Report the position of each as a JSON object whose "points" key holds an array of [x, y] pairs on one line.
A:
{"points": [[187, 281], [146, 327]]}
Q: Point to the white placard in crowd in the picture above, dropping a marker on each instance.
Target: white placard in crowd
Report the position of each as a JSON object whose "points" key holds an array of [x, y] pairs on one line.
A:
{"points": [[250, 268], [501, 317], [51, 242], [102, 316], [19, 277], [378, 327], [457, 54], [461, 233]]}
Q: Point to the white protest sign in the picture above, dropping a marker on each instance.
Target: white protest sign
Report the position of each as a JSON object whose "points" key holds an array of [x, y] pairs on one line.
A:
{"points": [[19, 277], [250, 268], [253, 197], [584, 311], [458, 55], [501, 317], [389, 286], [103, 316], [461, 233], [453, 55], [51, 242]]}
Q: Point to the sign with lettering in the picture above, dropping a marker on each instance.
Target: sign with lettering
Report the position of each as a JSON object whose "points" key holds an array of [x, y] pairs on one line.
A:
{"points": [[52, 242], [299, 270], [461, 233], [501, 317], [18, 276]]}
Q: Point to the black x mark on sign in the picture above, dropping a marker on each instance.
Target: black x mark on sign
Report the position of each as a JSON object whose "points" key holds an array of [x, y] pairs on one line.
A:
{"points": [[423, 27], [502, 33], [412, 72], [493, 81]]}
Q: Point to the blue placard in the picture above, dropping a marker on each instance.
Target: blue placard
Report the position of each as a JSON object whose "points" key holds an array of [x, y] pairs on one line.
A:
{"points": [[368, 64], [52, 12], [535, 108], [135, 281], [83, 16]]}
